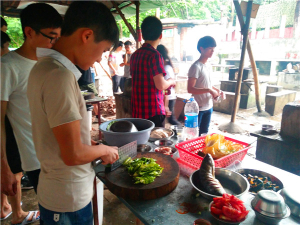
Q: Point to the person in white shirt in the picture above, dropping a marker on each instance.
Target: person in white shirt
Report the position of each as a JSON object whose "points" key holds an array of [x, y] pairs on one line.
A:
{"points": [[41, 27], [199, 83], [170, 99], [115, 59], [60, 125]]}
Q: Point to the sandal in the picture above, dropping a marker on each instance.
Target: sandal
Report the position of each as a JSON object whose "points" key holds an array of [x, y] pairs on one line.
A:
{"points": [[27, 221], [4, 218], [8, 215]]}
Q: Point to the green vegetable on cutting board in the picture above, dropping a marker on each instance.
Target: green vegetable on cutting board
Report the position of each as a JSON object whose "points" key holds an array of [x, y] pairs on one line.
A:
{"points": [[144, 170]]}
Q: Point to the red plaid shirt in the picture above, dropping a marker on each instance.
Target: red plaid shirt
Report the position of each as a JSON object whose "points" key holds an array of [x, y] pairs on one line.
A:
{"points": [[146, 100]]}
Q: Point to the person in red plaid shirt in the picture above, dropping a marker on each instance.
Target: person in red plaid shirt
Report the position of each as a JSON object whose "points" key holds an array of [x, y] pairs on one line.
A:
{"points": [[147, 71]]}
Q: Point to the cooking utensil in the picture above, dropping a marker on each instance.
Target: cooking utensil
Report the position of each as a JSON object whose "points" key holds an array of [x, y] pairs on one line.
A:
{"points": [[270, 204], [233, 183], [168, 131], [259, 173], [292, 200], [121, 138], [120, 183], [223, 221], [128, 150]]}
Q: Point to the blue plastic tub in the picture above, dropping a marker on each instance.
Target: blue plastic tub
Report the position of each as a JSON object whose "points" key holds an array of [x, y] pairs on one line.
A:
{"points": [[122, 138]]}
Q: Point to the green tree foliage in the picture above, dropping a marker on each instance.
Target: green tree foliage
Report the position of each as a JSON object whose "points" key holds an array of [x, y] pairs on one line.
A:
{"points": [[14, 31], [186, 9]]}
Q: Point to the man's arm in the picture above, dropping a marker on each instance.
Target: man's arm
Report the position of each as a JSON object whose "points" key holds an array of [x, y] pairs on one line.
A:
{"points": [[8, 180], [198, 91], [74, 152], [161, 83]]}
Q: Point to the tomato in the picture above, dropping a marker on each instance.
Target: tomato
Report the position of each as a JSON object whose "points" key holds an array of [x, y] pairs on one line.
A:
{"points": [[215, 210], [231, 212], [242, 215], [225, 218]]}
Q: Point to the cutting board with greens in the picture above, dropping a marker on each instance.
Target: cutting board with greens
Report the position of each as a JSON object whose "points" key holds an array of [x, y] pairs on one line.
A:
{"points": [[149, 176]]}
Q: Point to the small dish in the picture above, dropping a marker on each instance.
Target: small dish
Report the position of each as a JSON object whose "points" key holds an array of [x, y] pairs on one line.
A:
{"points": [[163, 143], [223, 221], [201, 222], [174, 154], [169, 133], [144, 148]]}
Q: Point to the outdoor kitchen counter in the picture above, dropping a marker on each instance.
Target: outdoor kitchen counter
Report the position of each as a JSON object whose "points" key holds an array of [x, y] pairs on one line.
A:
{"points": [[166, 210]]}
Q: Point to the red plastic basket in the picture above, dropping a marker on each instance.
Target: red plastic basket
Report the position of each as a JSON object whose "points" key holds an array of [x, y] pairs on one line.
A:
{"points": [[188, 151]]}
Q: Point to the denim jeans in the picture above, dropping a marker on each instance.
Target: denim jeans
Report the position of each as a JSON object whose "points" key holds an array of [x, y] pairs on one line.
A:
{"points": [[83, 216], [204, 121], [172, 120], [116, 79]]}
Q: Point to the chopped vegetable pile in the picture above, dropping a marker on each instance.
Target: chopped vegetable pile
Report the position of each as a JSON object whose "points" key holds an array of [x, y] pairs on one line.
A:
{"points": [[260, 183], [229, 208], [218, 146], [144, 170]]}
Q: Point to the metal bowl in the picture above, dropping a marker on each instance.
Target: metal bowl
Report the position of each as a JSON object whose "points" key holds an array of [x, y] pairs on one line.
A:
{"points": [[261, 174], [168, 131], [267, 219], [174, 154], [233, 183], [292, 199], [144, 148], [223, 221], [270, 204], [163, 143]]}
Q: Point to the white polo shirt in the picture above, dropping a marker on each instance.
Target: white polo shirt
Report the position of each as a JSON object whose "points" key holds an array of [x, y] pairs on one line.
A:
{"points": [[15, 71], [55, 99]]}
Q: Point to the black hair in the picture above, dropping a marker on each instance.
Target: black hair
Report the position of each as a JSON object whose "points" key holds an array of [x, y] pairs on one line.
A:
{"points": [[93, 15], [3, 22], [165, 54], [4, 38], [206, 42], [40, 16], [120, 44], [128, 43], [151, 28]]}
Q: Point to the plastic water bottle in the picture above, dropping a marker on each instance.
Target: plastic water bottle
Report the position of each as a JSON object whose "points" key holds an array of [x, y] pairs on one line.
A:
{"points": [[191, 111]]}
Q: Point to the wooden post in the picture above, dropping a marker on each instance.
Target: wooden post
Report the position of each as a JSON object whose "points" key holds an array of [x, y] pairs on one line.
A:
{"points": [[137, 13], [125, 20], [253, 65], [245, 29]]}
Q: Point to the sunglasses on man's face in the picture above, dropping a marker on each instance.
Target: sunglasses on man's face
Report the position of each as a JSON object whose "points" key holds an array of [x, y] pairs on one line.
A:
{"points": [[52, 39]]}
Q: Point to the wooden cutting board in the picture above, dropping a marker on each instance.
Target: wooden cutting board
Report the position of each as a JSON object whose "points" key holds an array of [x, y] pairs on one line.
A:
{"points": [[121, 184]]}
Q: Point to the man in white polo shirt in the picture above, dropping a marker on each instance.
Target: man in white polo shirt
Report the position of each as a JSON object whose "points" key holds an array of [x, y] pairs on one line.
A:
{"points": [[59, 117], [41, 27]]}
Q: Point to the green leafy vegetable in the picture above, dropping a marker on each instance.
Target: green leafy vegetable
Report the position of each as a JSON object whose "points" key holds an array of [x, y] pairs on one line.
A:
{"points": [[144, 170], [109, 125]]}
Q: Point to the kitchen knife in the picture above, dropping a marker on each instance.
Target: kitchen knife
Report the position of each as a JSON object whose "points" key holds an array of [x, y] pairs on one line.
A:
{"points": [[125, 151]]}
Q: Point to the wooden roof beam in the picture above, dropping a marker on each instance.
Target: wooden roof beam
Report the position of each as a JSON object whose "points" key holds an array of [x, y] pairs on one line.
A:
{"points": [[125, 20]]}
